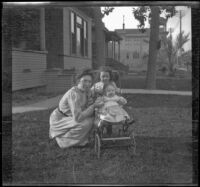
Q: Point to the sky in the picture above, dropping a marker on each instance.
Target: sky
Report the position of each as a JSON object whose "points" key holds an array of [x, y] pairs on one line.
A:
{"points": [[115, 21]]}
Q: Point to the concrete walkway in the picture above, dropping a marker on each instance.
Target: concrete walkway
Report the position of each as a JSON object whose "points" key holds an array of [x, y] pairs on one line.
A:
{"points": [[166, 92], [43, 105], [53, 102]]}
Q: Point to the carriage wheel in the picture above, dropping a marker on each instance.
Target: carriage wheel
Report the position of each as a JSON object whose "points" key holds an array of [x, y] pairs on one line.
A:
{"points": [[97, 145], [132, 146]]}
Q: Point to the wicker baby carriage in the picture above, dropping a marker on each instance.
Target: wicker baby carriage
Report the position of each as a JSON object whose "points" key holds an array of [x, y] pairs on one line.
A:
{"points": [[105, 131]]}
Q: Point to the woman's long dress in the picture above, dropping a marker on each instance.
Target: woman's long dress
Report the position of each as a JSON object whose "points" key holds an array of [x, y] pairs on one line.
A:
{"points": [[72, 127]]}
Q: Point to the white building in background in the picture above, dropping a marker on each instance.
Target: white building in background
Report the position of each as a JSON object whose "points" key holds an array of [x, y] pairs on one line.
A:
{"points": [[135, 47]]}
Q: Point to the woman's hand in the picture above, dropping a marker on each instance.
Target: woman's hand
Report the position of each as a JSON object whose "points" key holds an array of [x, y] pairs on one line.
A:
{"points": [[90, 101], [98, 103]]}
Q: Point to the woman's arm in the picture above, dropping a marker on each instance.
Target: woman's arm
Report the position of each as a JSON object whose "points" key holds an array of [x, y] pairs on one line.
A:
{"points": [[90, 98], [75, 106], [77, 113]]}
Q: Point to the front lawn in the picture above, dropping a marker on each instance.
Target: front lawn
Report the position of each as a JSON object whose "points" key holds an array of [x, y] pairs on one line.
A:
{"points": [[31, 96], [163, 133], [134, 82]]}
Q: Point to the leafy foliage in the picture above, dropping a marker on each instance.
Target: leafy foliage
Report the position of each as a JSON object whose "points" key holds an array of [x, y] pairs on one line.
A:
{"points": [[142, 13], [107, 10], [24, 25], [181, 39]]}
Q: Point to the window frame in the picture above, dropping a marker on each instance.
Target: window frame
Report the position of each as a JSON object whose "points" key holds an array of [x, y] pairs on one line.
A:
{"points": [[83, 36]]}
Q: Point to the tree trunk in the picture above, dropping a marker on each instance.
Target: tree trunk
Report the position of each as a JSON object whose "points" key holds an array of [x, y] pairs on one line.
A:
{"points": [[99, 38], [153, 51]]}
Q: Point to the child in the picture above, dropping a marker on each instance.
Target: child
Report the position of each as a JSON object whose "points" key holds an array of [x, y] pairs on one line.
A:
{"points": [[105, 78], [112, 110]]}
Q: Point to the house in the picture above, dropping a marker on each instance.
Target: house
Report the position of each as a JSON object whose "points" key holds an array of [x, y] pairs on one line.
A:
{"points": [[135, 47], [63, 42], [55, 45]]}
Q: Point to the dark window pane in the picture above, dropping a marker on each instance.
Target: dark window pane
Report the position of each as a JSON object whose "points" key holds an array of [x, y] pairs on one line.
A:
{"points": [[82, 42], [73, 43], [85, 39]]}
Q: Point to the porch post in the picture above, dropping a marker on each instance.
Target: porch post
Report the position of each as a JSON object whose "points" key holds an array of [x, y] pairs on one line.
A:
{"points": [[114, 51], [106, 49], [42, 29]]}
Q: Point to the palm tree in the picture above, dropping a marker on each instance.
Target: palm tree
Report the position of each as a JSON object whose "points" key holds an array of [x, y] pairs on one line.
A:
{"points": [[172, 50], [171, 54], [181, 39]]}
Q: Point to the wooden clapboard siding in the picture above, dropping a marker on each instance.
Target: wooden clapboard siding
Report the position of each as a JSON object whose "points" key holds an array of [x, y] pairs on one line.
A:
{"points": [[77, 63], [35, 64]]}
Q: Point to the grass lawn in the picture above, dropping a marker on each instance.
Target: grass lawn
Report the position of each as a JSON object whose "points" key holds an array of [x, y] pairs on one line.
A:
{"points": [[163, 133], [134, 82], [30, 96]]}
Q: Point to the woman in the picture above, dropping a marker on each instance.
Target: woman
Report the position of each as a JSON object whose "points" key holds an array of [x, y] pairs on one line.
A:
{"points": [[72, 121]]}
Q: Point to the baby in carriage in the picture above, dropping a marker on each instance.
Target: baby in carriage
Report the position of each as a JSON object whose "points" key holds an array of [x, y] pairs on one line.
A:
{"points": [[112, 110]]}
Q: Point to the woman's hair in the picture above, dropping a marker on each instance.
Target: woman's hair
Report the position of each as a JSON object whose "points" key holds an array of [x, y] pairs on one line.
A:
{"points": [[106, 69], [84, 73]]}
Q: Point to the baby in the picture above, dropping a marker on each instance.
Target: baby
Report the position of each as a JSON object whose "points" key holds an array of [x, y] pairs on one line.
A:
{"points": [[112, 110]]}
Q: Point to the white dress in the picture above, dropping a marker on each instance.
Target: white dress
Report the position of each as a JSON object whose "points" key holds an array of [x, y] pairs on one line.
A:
{"points": [[112, 111]]}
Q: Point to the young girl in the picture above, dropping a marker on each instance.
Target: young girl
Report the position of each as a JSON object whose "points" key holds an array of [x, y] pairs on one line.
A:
{"points": [[105, 78]]}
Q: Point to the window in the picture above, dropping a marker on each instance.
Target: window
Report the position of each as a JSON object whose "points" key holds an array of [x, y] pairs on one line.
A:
{"points": [[73, 34], [85, 38], [79, 35], [78, 40]]}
